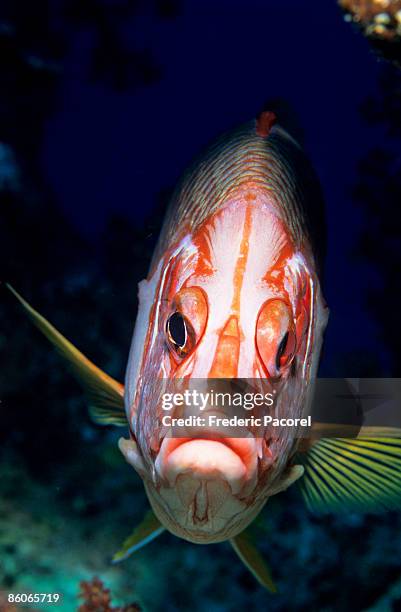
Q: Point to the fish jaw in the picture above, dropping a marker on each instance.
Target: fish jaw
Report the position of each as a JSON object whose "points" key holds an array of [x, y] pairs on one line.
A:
{"points": [[201, 511], [209, 490], [204, 487], [211, 493]]}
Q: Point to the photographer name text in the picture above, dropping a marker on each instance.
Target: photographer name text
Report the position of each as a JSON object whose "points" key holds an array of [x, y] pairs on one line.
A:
{"points": [[213, 420]]}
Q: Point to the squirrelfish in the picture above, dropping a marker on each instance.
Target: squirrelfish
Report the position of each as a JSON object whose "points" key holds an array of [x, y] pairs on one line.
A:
{"points": [[234, 292]]}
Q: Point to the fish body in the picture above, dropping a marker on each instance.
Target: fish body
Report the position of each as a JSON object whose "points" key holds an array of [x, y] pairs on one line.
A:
{"points": [[234, 294], [235, 277]]}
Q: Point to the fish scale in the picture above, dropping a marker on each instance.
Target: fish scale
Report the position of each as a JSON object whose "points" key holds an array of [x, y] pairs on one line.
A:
{"points": [[274, 164]]}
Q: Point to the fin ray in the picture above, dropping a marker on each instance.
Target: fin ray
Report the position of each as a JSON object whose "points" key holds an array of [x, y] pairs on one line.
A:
{"points": [[355, 486], [105, 395], [361, 474], [143, 533], [344, 490], [248, 553]]}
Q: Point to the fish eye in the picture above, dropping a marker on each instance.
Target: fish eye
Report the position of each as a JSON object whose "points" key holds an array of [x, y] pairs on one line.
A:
{"points": [[177, 330], [275, 336], [180, 334], [185, 326], [286, 350], [281, 350]]}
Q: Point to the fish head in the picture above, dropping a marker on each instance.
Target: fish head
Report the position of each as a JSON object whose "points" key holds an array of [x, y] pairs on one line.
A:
{"points": [[232, 300]]}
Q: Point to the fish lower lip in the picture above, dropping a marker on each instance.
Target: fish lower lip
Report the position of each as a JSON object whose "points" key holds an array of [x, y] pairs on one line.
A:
{"points": [[234, 460]]}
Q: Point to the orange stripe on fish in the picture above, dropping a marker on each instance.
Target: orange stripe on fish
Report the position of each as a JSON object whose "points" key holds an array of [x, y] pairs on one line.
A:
{"points": [[242, 259], [225, 363]]}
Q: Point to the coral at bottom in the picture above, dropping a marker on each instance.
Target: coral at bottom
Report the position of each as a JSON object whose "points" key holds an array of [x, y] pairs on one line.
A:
{"points": [[97, 598]]}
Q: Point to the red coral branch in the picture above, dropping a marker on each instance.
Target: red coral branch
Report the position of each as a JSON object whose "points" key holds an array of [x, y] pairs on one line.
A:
{"points": [[97, 598]]}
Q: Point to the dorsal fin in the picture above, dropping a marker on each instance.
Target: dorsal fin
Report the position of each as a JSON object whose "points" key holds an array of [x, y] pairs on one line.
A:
{"points": [[105, 395], [360, 474], [244, 546]]}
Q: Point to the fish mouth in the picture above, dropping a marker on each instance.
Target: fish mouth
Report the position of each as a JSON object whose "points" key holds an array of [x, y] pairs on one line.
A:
{"points": [[234, 460]]}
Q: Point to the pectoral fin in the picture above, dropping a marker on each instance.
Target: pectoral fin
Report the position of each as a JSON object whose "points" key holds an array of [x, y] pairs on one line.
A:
{"points": [[144, 533], [245, 548], [360, 474], [105, 394]]}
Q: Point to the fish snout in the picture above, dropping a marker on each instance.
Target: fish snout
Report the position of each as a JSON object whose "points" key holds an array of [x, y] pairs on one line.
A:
{"points": [[225, 362]]}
